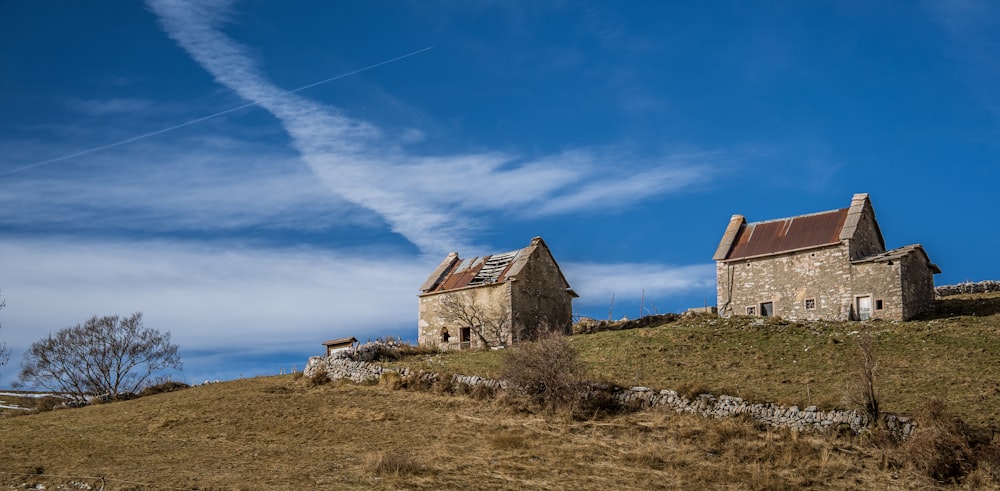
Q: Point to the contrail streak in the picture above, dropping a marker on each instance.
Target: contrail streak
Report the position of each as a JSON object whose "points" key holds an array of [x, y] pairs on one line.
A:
{"points": [[203, 118]]}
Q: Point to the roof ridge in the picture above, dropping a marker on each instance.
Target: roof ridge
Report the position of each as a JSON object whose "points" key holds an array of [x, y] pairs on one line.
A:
{"points": [[805, 215]]}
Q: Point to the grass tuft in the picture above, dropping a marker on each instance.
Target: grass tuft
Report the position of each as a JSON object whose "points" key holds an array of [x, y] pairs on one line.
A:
{"points": [[396, 463]]}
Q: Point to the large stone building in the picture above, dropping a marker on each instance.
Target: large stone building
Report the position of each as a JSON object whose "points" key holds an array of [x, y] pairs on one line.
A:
{"points": [[494, 300], [829, 265]]}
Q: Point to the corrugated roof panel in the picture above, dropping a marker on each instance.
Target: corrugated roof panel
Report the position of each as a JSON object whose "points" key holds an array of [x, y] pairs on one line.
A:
{"points": [[788, 234], [461, 275], [493, 267], [477, 271]]}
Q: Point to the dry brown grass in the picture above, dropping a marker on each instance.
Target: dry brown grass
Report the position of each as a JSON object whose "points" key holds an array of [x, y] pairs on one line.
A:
{"points": [[948, 355], [283, 433], [946, 449], [288, 433]]}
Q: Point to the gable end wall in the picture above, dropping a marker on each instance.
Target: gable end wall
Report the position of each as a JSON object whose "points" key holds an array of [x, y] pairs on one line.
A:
{"points": [[539, 297]]}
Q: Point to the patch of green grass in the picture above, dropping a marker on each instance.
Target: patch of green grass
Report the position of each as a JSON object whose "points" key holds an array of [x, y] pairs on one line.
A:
{"points": [[950, 354]]}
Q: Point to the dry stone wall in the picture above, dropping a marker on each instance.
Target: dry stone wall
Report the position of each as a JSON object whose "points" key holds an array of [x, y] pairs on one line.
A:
{"points": [[590, 326], [968, 287], [706, 405]]}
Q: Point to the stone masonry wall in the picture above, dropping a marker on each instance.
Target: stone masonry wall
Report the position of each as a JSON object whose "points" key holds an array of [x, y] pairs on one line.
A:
{"points": [[880, 281], [917, 284], [867, 238], [431, 316], [899, 290], [539, 297], [706, 405], [787, 281]]}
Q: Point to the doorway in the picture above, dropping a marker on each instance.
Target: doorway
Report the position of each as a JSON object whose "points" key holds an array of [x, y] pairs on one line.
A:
{"points": [[465, 337], [864, 306]]}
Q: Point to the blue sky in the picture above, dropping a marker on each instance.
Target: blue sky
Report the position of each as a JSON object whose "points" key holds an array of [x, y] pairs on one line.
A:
{"points": [[176, 158]]}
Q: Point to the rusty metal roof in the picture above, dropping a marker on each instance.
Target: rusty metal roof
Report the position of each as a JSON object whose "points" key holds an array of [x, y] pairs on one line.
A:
{"points": [[455, 273], [476, 271], [788, 234]]}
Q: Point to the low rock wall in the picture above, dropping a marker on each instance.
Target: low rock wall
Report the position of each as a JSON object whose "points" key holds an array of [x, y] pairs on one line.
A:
{"points": [[591, 326], [707, 405], [968, 287], [808, 419]]}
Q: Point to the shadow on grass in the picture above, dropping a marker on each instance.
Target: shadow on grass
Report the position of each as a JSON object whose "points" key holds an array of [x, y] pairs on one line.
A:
{"points": [[957, 305]]}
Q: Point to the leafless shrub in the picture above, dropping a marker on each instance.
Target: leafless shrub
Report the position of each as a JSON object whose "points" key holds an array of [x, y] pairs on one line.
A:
{"points": [[445, 384], [387, 350], [482, 392], [164, 386], [391, 380], [4, 350], [548, 371], [862, 387], [691, 390], [319, 377], [941, 448], [46, 403]]}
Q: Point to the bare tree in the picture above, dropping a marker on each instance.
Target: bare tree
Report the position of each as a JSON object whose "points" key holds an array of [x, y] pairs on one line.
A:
{"points": [[862, 388], [490, 323], [106, 355]]}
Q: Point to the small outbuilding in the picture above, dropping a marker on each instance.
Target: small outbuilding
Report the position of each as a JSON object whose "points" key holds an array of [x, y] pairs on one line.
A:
{"points": [[336, 345]]}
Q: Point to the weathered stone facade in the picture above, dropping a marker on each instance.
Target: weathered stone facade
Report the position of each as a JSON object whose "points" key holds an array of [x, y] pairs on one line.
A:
{"points": [[524, 287], [830, 265]]}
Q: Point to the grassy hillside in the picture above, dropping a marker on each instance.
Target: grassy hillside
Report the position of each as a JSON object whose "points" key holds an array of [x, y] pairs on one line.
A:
{"points": [[281, 433], [285, 433], [951, 355]]}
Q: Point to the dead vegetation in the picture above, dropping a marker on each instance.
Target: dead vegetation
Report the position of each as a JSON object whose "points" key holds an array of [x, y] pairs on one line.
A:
{"points": [[284, 433], [290, 432]]}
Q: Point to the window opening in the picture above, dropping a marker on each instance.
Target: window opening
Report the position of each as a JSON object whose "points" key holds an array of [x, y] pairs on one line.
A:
{"points": [[751, 310], [810, 304], [465, 336], [767, 309], [878, 304]]}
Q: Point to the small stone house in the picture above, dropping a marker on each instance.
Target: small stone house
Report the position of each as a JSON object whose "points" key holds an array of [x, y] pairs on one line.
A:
{"points": [[830, 265], [494, 300], [341, 344]]}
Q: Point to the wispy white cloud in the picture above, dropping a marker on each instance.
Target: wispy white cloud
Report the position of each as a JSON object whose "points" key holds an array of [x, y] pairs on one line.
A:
{"points": [[246, 303], [106, 107], [427, 199], [597, 282], [207, 184], [234, 299]]}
